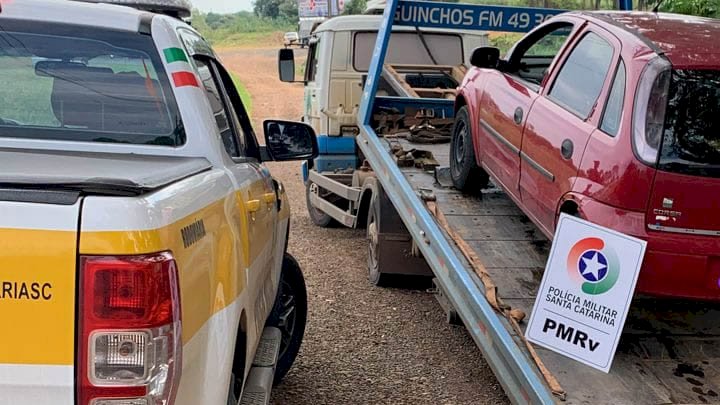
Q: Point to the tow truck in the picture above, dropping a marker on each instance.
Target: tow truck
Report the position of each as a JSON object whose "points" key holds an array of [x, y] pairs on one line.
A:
{"points": [[485, 256], [143, 242]]}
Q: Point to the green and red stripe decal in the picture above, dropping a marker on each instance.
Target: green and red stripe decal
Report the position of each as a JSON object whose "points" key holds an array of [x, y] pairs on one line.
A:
{"points": [[182, 78]]}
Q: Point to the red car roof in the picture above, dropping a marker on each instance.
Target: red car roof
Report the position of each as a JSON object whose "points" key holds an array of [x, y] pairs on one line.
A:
{"points": [[687, 41]]}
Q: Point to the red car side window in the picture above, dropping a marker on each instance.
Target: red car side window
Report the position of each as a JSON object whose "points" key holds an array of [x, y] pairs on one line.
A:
{"points": [[532, 57], [581, 78], [613, 108]]}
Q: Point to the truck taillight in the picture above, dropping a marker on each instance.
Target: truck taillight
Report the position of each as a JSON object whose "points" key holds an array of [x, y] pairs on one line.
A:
{"points": [[129, 348]]}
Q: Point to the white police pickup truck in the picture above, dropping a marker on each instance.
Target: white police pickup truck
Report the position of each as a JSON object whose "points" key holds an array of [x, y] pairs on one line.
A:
{"points": [[142, 241]]}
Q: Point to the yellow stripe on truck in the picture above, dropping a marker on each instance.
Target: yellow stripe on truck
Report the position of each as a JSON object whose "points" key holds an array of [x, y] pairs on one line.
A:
{"points": [[210, 270], [37, 296]]}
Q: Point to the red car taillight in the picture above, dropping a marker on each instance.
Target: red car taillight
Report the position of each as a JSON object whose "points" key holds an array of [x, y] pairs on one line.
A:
{"points": [[129, 348], [649, 111]]}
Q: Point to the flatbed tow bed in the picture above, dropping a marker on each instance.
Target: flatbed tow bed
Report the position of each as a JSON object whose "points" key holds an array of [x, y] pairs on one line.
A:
{"points": [[669, 352]]}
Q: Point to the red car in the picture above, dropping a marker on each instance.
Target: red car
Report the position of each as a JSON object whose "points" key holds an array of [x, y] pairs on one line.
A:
{"points": [[614, 117]]}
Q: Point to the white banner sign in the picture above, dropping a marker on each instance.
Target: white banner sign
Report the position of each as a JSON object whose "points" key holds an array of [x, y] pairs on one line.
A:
{"points": [[586, 291]]}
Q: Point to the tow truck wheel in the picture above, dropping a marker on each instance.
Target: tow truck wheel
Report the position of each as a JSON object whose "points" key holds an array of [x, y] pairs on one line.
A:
{"points": [[318, 217], [289, 314], [373, 235], [465, 173]]}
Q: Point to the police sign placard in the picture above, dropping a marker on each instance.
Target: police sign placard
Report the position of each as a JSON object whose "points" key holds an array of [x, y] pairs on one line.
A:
{"points": [[586, 291]]}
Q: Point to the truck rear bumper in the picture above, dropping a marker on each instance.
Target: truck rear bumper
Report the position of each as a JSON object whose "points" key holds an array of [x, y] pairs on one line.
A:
{"points": [[36, 384]]}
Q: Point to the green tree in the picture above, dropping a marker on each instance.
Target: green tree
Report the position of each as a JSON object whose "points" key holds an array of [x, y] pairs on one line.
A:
{"points": [[287, 9], [355, 7], [703, 8]]}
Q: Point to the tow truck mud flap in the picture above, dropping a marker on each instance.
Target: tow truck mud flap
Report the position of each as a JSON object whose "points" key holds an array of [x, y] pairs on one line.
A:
{"points": [[38, 250]]}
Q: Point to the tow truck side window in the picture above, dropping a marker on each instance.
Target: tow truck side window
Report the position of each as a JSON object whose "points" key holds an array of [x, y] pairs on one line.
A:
{"points": [[312, 60]]}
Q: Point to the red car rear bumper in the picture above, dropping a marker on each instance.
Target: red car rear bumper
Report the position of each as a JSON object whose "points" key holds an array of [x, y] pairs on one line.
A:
{"points": [[675, 265]]}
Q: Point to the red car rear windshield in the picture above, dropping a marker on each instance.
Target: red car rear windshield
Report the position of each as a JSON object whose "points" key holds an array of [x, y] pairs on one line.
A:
{"points": [[691, 141], [72, 83]]}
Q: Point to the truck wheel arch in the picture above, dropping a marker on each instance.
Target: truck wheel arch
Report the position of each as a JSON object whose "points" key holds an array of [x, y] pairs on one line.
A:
{"points": [[369, 189], [460, 101]]}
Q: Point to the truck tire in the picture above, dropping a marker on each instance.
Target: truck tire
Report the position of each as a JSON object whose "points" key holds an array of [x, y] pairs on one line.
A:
{"points": [[373, 235], [289, 314], [318, 217], [466, 175]]}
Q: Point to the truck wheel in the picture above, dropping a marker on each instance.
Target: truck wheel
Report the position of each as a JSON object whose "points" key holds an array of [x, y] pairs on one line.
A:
{"points": [[289, 314], [465, 173], [373, 235], [318, 217]]}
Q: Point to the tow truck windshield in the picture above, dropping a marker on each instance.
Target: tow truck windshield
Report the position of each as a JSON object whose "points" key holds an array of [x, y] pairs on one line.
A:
{"points": [[408, 48], [82, 84]]}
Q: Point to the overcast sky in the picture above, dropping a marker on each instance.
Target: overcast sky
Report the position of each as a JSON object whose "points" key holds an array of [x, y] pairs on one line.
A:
{"points": [[223, 6]]}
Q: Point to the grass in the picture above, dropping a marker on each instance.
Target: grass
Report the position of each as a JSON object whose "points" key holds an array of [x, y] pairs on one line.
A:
{"points": [[30, 94], [248, 40], [244, 94], [241, 29]]}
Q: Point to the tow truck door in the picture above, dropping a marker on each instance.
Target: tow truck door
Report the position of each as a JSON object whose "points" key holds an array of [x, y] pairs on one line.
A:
{"points": [[38, 251], [313, 87]]}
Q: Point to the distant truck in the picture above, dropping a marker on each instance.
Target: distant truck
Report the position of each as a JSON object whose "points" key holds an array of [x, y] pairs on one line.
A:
{"points": [[306, 25]]}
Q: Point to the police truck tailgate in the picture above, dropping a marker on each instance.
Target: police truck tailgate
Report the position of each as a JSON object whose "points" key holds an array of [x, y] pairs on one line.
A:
{"points": [[38, 251]]}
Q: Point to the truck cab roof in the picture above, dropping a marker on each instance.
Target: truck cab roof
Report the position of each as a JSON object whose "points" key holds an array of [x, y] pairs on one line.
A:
{"points": [[364, 22]]}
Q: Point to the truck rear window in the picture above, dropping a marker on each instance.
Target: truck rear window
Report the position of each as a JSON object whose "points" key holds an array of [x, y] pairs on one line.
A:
{"points": [[691, 137], [407, 48], [72, 83]]}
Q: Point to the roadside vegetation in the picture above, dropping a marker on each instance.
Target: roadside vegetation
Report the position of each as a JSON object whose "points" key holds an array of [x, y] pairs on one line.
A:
{"points": [[244, 93], [243, 29]]}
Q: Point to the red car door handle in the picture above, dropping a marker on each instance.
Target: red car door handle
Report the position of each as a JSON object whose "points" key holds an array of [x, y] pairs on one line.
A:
{"points": [[566, 149], [518, 117]]}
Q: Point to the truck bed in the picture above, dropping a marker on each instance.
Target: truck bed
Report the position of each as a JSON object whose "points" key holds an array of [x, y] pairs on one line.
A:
{"points": [[90, 172], [670, 350]]}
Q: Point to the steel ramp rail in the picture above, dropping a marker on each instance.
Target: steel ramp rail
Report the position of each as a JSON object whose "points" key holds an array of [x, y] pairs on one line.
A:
{"points": [[514, 370]]}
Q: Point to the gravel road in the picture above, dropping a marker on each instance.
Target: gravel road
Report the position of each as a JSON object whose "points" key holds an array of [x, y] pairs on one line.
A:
{"points": [[363, 345]]}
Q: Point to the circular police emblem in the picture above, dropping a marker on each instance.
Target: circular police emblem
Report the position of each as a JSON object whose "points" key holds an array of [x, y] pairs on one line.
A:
{"points": [[593, 266]]}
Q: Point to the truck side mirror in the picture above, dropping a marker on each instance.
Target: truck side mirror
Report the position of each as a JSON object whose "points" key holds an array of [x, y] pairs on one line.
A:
{"points": [[288, 140], [286, 65], [485, 57]]}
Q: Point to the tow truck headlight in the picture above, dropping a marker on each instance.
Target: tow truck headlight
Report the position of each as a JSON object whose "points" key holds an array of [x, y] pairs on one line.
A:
{"points": [[349, 130]]}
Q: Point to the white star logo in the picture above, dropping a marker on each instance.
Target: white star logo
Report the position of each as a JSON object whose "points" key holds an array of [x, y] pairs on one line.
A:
{"points": [[593, 266]]}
